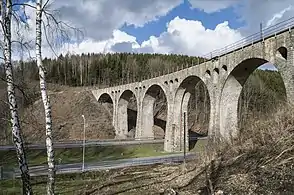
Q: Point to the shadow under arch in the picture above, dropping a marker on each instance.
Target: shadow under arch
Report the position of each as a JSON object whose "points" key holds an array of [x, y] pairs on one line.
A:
{"points": [[192, 98], [282, 52], [105, 100], [154, 110], [127, 115], [231, 92]]}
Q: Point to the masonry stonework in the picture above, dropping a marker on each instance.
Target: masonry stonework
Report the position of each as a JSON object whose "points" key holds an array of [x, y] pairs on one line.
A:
{"points": [[224, 77]]}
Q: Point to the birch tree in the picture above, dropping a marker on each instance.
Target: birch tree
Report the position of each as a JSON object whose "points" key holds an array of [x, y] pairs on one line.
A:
{"points": [[45, 99], [6, 14]]}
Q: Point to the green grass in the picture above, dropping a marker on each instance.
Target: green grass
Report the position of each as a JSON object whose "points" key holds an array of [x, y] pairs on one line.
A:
{"points": [[92, 154]]}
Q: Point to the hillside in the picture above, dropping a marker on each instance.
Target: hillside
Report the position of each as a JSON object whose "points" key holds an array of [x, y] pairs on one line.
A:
{"points": [[68, 106]]}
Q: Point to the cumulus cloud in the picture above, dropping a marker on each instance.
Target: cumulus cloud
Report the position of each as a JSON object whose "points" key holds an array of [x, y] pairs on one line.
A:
{"points": [[192, 38], [119, 42]]}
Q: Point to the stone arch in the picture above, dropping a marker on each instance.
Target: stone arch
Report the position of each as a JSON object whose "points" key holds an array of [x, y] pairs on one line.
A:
{"points": [[230, 93], [105, 97], [192, 97], [107, 104], [284, 64], [225, 68], [282, 52], [215, 75], [127, 114], [208, 73], [154, 110]]}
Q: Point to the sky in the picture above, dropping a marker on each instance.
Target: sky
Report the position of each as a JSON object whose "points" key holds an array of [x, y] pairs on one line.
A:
{"points": [[190, 27]]}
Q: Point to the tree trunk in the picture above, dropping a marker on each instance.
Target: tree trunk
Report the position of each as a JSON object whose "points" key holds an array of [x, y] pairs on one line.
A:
{"points": [[46, 101], [16, 129]]}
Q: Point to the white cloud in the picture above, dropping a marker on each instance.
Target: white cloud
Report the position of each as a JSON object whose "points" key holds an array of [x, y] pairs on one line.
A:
{"points": [[106, 46], [192, 38], [278, 16]]}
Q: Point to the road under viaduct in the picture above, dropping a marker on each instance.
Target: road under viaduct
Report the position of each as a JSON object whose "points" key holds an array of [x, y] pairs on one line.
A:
{"points": [[224, 74]]}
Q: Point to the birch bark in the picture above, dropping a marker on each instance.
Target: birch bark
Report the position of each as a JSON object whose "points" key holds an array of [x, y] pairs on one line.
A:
{"points": [[6, 12], [45, 99]]}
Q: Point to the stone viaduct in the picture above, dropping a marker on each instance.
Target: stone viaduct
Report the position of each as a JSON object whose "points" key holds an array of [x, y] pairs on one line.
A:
{"points": [[224, 74]]}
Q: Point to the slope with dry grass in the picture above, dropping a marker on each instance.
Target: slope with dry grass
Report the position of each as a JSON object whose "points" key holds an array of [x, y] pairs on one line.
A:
{"points": [[259, 161], [68, 106]]}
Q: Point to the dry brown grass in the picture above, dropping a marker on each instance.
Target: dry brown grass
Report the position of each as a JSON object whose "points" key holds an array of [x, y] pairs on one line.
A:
{"points": [[68, 106], [259, 161]]}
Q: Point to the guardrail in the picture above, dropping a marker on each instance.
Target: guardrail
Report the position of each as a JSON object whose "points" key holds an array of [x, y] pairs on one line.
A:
{"points": [[263, 34], [88, 143]]}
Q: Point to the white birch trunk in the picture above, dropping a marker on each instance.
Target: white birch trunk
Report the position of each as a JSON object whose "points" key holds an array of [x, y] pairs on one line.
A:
{"points": [[46, 101], [16, 129]]}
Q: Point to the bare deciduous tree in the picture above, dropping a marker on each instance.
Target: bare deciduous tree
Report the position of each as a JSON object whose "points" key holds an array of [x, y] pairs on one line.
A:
{"points": [[45, 99], [6, 15]]}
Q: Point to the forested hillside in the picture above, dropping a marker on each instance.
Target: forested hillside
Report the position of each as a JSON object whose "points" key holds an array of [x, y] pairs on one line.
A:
{"points": [[109, 69]]}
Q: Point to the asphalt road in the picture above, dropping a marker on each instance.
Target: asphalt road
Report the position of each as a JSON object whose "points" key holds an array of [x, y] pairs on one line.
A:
{"points": [[77, 167]]}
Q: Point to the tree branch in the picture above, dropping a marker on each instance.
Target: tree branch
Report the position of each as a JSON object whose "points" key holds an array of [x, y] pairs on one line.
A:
{"points": [[45, 4], [24, 4]]}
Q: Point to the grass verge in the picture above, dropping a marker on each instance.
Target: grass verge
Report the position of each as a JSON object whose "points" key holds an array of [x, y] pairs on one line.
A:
{"points": [[92, 154]]}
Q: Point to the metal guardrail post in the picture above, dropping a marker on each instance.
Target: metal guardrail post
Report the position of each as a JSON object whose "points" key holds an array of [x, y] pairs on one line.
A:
{"points": [[261, 35]]}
